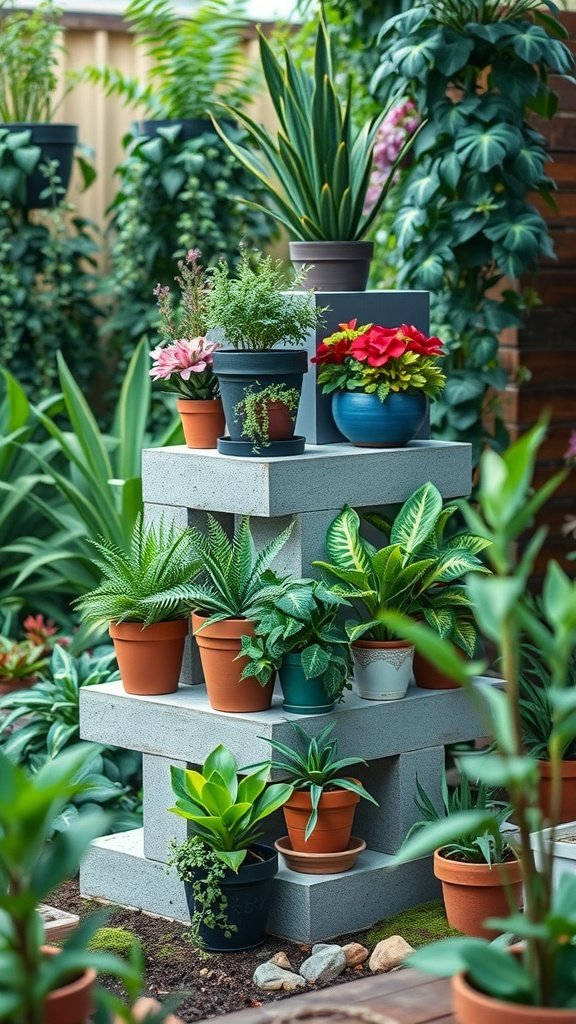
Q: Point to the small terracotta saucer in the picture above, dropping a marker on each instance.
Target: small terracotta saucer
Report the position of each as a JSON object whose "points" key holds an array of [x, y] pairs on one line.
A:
{"points": [[320, 863]]}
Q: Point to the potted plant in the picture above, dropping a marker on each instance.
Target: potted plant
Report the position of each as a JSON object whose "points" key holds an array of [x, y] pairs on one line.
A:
{"points": [[322, 160], [236, 588], [268, 415], [300, 638], [43, 984], [184, 357], [380, 379], [539, 719], [227, 874], [252, 313], [478, 870], [398, 577], [143, 597], [447, 610], [29, 53], [320, 812], [532, 983]]}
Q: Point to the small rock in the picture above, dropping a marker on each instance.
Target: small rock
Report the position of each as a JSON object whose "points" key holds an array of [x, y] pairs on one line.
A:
{"points": [[325, 965], [390, 953], [272, 978], [281, 960], [355, 953], [321, 945]]}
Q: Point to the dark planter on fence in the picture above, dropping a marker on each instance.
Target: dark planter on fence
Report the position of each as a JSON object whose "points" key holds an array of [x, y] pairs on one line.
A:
{"points": [[249, 893], [190, 127], [302, 696], [57, 142], [239, 372]]}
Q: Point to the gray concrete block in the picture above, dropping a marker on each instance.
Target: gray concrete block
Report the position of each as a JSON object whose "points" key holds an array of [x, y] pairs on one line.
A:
{"points": [[392, 782], [387, 308], [182, 725], [160, 826], [305, 908], [324, 477]]}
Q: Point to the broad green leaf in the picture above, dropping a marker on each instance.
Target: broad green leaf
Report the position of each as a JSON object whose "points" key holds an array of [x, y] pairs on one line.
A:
{"points": [[436, 834], [417, 518], [344, 545]]}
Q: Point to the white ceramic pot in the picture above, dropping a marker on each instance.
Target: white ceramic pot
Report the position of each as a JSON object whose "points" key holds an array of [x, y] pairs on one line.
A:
{"points": [[382, 669]]}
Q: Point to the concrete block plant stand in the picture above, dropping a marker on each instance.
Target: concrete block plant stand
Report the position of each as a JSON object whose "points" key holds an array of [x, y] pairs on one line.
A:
{"points": [[400, 739]]}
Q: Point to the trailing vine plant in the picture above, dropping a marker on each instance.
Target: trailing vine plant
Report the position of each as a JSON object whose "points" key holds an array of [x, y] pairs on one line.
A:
{"points": [[254, 411], [476, 70]]}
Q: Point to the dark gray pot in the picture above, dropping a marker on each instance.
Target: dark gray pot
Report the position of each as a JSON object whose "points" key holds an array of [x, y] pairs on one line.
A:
{"points": [[240, 371], [57, 142], [334, 266], [190, 127]]}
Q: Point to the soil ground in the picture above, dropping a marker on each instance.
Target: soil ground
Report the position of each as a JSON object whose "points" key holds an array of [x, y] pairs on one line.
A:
{"points": [[210, 983]]}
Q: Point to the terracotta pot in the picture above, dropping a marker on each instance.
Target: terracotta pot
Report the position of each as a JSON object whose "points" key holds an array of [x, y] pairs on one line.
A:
{"points": [[202, 422], [149, 658], [382, 668], [334, 826], [70, 1004], [428, 677], [473, 1007], [568, 801], [474, 892], [320, 863], [219, 645], [280, 421]]}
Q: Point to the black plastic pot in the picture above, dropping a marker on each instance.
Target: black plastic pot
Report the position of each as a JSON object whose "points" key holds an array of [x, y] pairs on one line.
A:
{"points": [[249, 893], [57, 142], [334, 266], [190, 127], [239, 372]]}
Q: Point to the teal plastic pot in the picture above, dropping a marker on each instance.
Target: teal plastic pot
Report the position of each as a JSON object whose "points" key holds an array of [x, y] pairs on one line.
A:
{"points": [[302, 696]]}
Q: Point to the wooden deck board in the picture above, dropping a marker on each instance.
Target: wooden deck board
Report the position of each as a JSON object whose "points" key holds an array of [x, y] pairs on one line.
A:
{"points": [[403, 997]]}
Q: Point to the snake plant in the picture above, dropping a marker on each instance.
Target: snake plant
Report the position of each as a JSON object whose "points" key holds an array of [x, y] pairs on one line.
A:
{"points": [[321, 159]]}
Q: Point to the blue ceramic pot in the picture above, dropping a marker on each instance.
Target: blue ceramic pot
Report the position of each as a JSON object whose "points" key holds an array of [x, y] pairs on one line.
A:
{"points": [[369, 423]]}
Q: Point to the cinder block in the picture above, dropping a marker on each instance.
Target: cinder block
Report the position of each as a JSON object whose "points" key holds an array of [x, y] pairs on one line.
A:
{"points": [[324, 477], [387, 308], [305, 908], [182, 725], [392, 782], [160, 826]]}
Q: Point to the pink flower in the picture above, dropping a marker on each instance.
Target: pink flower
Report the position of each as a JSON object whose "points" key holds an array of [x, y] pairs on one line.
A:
{"points": [[183, 356]]}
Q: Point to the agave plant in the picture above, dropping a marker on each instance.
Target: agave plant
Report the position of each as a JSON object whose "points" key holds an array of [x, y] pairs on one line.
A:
{"points": [[405, 575], [149, 583], [476, 847], [238, 581], [322, 161], [317, 768]]}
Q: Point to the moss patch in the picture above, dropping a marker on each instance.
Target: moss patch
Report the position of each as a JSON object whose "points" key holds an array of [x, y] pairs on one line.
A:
{"points": [[418, 925], [114, 940]]}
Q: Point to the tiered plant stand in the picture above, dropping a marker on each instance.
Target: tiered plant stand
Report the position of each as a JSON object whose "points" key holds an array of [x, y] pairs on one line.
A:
{"points": [[400, 739]]}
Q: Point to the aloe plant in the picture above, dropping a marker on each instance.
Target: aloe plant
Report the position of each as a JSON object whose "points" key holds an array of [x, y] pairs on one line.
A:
{"points": [[237, 581], [147, 584], [404, 575], [322, 161]]}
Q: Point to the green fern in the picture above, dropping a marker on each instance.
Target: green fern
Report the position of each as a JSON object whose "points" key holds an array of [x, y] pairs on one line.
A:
{"points": [[149, 583], [237, 582]]}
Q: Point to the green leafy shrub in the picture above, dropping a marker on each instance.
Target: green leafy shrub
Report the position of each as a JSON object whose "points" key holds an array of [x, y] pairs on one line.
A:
{"points": [[29, 55], [466, 220], [39, 724]]}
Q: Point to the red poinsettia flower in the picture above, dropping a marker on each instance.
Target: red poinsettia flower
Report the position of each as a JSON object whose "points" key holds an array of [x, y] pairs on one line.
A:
{"points": [[418, 342], [378, 345], [335, 353]]}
